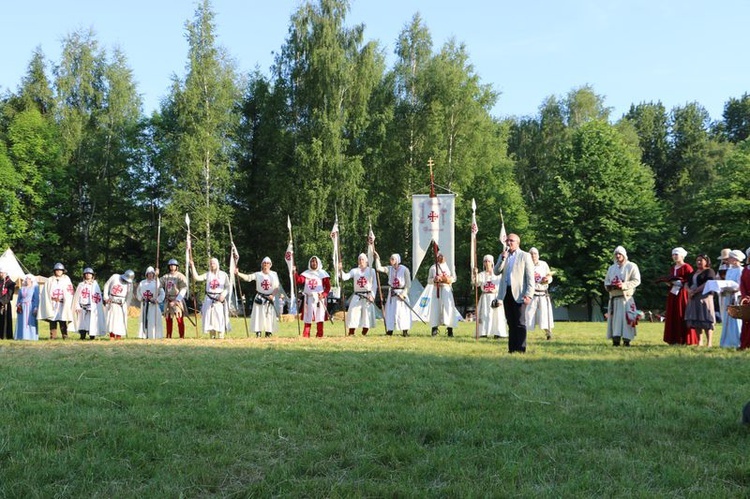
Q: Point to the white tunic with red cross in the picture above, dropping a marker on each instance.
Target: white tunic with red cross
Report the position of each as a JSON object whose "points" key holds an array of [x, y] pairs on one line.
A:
{"points": [[88, 309], [490, 321], [150, 326], [314, 286], [263, 318], [361, 312], [118, 293], [215, 309]]}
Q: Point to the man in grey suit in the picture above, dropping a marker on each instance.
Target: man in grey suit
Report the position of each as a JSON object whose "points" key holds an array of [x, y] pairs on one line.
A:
{"points": [[516, 290]]}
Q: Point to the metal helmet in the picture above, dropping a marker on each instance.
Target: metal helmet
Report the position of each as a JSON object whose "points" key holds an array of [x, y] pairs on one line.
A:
{"points": [[88, 270], [128, 276], [172, 261], [59, 266], [149, 270]]}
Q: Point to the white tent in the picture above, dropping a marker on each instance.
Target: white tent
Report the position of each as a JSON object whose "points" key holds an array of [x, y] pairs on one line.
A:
{"points": [[11, 265]]}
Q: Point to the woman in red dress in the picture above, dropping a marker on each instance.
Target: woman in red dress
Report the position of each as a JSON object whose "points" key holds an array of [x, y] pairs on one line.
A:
{"points": [[745, 293], [676, 331]]}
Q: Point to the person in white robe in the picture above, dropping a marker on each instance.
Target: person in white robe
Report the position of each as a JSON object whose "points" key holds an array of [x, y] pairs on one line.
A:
{"points": [[150, 294], [26, 308], [622, 314], [316, 285], [264, 317], [731, 327], [118, 293], [361, 311], [215, 308], [175, 288], [539, 310], [397, 306], [442, 305], [88, 307], [56, 301], [490, 314]]}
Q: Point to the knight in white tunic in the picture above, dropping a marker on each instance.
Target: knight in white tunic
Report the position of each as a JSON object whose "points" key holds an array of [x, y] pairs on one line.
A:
{"points": [[442, 306], [88, 307], [150, 294], [397, 309], [490, 314], [118, 293], [215, 309], [361, 311], [316, 284], [175, 288], [56, 303], [539, 309], [264, 317]]}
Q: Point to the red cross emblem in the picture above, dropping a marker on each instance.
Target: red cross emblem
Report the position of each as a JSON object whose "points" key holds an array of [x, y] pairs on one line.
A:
{"points": [[432, 216], [170, 284], [489, 287], [288, 256], [85, 293], [362, 282], [70, 289], [474, 228], [116, 289], [537, 277], [97, 298], [396, 282], [214, 284], [147, 295], [312, 284], [265, 284], [58, 294]]}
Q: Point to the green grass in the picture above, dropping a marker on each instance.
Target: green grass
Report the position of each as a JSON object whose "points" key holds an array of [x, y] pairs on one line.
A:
{"points": [[375, 416]]}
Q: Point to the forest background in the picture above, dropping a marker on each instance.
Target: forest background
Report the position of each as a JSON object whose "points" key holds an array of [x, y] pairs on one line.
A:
{"points": [[85, 175]]}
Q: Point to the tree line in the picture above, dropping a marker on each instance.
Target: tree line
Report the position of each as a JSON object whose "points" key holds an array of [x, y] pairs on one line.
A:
{"points": [[331, 129]]}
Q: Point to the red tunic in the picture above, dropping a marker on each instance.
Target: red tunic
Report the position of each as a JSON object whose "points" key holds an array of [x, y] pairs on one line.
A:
{"points": [[675, 330], [745, 291]]}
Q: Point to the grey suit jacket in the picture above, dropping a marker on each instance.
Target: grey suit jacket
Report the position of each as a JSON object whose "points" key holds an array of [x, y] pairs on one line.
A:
{"points": [[521, 276]]}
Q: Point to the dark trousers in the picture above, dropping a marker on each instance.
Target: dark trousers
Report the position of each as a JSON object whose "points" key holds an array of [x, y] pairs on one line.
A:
{"points": [[516, 323]]}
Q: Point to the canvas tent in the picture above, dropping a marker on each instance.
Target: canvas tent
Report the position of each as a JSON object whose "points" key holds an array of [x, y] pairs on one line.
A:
{"points": [[11, 265]]}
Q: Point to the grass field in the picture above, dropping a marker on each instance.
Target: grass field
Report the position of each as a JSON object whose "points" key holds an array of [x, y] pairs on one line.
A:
{"points": [[373, 416]]}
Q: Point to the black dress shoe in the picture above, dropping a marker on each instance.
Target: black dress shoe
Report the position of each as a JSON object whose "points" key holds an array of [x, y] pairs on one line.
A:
{"points": [[389, 333], [450, 332], [435, 331]]}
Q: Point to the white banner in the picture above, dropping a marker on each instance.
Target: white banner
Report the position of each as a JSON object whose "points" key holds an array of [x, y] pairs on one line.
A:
{"points": [[433, 219]]}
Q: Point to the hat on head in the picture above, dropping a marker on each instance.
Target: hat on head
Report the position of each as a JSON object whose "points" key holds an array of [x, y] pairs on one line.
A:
{"points": [[266, 260], [59, 266], [725, 253], [621, 250], [534, 250], [88, 270], [149, 270], [738, 254], [172, 261], [680, 251], [128, 276]]}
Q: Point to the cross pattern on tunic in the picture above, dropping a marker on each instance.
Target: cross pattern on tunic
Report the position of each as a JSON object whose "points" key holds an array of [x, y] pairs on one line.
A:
{"points": [[147, 295], [97, 298], [116, 289], [70, 289], [362, 282], [537, 277], [396, 282], [489, 287], [312, 284], [170, 284], [432, 216], [265, 284], [57, 294], [85, 293], [214, 284]]}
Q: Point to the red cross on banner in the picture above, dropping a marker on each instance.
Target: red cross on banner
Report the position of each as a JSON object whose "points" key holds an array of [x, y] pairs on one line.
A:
{"points": [[432, 216]]}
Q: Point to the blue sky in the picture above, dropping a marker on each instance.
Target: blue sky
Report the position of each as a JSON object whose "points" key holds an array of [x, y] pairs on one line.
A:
{"points": [[629, 51]]}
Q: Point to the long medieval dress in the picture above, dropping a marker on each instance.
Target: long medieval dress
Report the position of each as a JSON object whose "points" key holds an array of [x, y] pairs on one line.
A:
{"points": [[676, 332], [745, 293]]}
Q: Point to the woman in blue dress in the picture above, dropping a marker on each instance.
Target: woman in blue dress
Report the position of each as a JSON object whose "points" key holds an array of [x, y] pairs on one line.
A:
{"points": [[730, 328], [26, 307]]}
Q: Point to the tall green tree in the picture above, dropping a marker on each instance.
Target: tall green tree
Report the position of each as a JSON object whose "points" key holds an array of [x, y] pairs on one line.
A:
{"points": [[736, 119], [196, 145], [599, 196], [651, 123]]}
